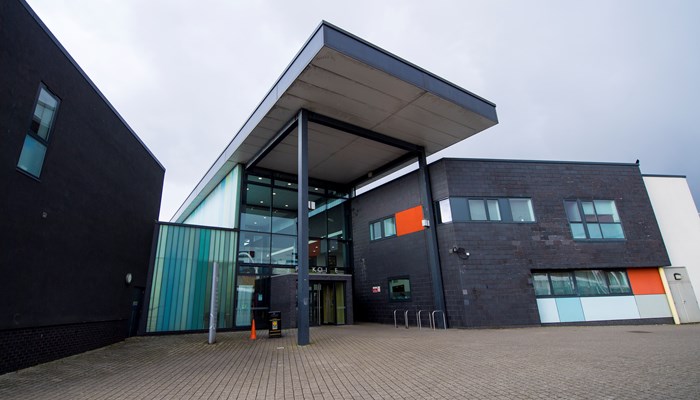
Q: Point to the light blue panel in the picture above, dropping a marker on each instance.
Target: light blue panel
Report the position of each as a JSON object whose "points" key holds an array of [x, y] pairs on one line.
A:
{"points": [[569, 309], [220, 207], [653, 306], [548, 310], [609, 308]]}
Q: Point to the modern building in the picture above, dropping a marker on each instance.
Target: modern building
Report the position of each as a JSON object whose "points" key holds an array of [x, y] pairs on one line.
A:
{"points": [[482, 243], [80, 196]]}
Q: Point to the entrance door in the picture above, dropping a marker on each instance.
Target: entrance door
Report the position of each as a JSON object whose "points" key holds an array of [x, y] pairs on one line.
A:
{"points": [[327, 303], [683, 294]]}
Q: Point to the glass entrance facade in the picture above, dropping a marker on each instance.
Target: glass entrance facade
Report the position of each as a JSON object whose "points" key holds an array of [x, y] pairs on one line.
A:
{"points": [[267, 244], [251, 233]]}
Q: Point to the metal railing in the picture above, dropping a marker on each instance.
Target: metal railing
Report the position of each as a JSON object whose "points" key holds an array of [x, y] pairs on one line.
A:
{"points": [[405, 318]]}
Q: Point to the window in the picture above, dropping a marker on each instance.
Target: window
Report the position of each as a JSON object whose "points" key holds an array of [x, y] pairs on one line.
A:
{"points": [[31, 159], [581, 283], [463, 209], [593, 219], [383, 228], [399, 289]]}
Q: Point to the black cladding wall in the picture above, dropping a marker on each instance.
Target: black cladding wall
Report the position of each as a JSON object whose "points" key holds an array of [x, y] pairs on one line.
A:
{"points": [[68, 239], [493, 287], [377, 261]]}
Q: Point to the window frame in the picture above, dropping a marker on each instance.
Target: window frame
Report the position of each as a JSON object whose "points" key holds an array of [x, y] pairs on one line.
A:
{"points": [[35, 136], [584, 223], [577, 291], [382, 227], [389, 292], [505, 214]]}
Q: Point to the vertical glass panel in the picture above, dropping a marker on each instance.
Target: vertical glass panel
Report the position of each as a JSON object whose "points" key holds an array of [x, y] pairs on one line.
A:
{"points": [[458, 206], [254, 248], [317, 217], [541, 283], [612, 231], [284, 250], [32, 157], [591, 283], [606, 210], [340, 302], [328, 303], [284, 211], [337, 255], [588, 211], [618, 282], [255, 215], [594, 231], [477, 210], [494, 211], [336, 219], [399, 289], [375, 230], [562, 283], [577, 231], [521, 210], [317, 253], [251, 299], [389, 227], [445, 211], [572, 211]]}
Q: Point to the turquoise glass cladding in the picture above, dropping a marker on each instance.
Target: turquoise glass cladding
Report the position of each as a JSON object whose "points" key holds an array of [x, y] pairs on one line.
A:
{"points": [[220, 207], [182, 275]]}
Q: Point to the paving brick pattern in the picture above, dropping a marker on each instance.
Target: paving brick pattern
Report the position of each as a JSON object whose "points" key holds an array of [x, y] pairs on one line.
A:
{"points": [[370, 361]]}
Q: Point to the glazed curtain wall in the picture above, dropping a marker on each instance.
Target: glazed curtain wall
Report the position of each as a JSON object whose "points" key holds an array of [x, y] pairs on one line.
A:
{"points": [[220, 207], [182, 275]]}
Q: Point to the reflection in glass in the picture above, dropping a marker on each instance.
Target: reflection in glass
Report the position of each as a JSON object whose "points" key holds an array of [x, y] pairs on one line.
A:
{"points": [[458, 205], [283, 250], [32, 157], [399, 289], [336, 219], [541, 283], [618, 282], [254, 248], [389, 227], [522, 210], [591, 282], [317, 253], [494, 211], [562, 283], [337, 254], [572, 211], [317, 217], [477, 210]]}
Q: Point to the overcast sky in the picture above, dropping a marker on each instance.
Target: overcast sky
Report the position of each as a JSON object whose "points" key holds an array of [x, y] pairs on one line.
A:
{"points": [[587, 80]]}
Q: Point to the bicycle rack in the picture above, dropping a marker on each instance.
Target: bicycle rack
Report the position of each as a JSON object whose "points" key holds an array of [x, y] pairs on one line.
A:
{"points": [[405, 318], [432, 319], [420, 323]]}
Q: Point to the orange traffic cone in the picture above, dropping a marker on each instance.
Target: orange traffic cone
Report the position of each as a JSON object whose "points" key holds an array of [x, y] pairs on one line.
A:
{"points": [[253, 336]]}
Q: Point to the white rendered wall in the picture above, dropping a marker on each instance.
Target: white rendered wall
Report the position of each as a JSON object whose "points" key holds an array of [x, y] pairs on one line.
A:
{"points": [[679, 222]]}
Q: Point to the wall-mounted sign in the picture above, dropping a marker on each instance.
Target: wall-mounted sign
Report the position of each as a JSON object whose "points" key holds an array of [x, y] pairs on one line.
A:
{"points": [[376, 289]]}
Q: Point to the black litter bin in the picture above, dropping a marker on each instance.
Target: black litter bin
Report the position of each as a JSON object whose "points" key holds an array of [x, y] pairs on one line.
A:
{"points": [[275, 323]]}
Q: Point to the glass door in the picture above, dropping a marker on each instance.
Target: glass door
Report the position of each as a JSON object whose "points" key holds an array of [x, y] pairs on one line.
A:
{"points": [[326, 303]]}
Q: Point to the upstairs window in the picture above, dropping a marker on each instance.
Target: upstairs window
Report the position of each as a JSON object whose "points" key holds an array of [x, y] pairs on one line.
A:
{"points": [[31, 159], [594, 219], [463, 209], [383, 228]]}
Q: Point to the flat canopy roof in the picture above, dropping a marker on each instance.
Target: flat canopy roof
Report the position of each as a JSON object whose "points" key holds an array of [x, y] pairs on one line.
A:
{"points": [[341, 76]]}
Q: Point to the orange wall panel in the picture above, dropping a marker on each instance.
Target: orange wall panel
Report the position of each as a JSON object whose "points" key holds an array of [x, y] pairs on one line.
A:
{"points": [[645, 281], [409, 221]]}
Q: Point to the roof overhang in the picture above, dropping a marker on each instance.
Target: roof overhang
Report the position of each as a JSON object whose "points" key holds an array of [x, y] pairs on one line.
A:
{"points": [[348, 80]]}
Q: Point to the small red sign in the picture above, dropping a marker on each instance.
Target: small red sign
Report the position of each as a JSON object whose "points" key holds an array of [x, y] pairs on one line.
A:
{"points": [[376, 289]]}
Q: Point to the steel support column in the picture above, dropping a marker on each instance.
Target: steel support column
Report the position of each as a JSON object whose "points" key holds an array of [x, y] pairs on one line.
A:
{"points": [[426, 197], [303, 229]]}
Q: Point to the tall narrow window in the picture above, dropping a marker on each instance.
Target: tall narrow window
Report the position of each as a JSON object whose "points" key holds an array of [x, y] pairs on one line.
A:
{"points": [[31, 159]]}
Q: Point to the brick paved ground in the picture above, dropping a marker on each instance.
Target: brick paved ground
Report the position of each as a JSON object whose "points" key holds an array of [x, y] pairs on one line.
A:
{"points": [[376, 361]]}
